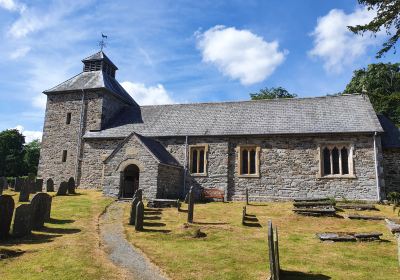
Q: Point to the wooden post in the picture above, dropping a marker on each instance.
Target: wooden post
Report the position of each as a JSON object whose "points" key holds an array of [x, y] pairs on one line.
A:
{"points": [[247, 196], [190, 206], [132, 217], [139, 216]]}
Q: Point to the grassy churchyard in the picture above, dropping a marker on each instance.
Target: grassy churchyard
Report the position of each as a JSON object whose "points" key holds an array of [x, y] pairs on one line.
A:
{"points": [[68, 246]]}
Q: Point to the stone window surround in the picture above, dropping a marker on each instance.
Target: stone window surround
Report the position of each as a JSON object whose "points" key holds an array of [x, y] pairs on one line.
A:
{"points": [[199, 146], [239, 149], [339, 145]]}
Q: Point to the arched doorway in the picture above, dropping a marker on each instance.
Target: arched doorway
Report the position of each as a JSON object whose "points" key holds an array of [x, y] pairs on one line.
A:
{"points": [[130, 181]]}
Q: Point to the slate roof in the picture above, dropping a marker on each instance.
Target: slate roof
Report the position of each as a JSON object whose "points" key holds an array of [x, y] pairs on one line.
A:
{"points": [[391, 137], [93, 80], [154, 147], [329, 114], [99, 56]]}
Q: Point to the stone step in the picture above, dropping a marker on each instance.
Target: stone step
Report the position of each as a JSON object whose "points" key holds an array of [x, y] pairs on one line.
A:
{"points": [[311, 199], [313, 204], [163, 203], [360, 207]]}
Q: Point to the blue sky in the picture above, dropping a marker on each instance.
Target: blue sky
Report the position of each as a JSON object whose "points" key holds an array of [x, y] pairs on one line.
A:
{"points": [[179, 51]]}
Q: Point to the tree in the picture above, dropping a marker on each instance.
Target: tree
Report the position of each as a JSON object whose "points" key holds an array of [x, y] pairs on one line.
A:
{"points": [[272, 93], [387, 17], [31, 157], [381, 82], [11, 153]]}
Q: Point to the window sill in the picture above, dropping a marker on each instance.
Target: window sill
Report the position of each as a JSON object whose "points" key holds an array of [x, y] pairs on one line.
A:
{"points": [[198, 174], [249, 175], [338, 176]]}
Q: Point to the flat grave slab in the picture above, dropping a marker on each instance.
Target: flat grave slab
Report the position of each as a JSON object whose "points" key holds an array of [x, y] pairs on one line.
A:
{"points": [[359, 207], [163, 203], [349, 236], [364, 217]]}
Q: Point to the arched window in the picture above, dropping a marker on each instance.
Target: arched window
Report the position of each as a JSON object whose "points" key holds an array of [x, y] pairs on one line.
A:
{"points": [[248, 160], [336, 160], [198, 159]]}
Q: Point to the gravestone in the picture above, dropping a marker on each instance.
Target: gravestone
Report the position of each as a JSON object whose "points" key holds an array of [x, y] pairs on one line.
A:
{"points": [[190, 206], [40, 209], [62, 190], [274, 265], [3, 184], [132, 217], [1, 190], [247, 196], [48, 208], [39, 185], [139, 216], [24, 192], [18, 184], [6, 212], [22, 220], [49, 185], [244, 215], [71, 186], [139, 194]]}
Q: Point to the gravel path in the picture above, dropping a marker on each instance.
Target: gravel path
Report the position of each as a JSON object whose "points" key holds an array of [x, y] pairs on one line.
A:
{"points": [[120, 251]]}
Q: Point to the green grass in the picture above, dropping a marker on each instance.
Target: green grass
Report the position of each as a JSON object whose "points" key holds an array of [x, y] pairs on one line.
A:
{"points": [[68, 247], [233, 251]]}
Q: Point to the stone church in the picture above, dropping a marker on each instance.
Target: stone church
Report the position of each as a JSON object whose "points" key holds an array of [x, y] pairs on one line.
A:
{"points": [[332, 146]]}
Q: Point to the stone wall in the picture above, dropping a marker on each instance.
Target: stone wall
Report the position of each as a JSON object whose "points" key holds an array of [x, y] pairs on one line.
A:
{"points": [[129, 152], [289, 167], [169, 182], [391, 167]]}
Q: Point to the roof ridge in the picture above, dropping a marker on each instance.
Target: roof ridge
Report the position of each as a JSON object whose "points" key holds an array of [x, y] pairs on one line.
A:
{"points": [[254, 101]]}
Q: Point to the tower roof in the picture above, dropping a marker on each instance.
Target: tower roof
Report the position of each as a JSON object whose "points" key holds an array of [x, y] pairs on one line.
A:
{"points": [[98, 57]]}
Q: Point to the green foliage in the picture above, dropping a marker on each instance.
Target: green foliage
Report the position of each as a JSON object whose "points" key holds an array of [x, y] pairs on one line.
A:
{"points": [[272, 93], [17, 159], [394, 198], [382, 85], [387, 18]]}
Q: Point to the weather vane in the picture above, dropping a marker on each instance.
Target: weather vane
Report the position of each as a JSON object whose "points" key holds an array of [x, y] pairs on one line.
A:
{"points": [[102, 43]]}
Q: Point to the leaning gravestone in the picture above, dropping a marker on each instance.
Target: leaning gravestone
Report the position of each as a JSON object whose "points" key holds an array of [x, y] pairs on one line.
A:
{"points": [[38, 185], [62, 190], [24, 192], [139, 216], [6, 212], [50, 185], [22, 220], [40, 209], [273, 246], [139, 194], [190, 205], [18, 184], [132, 217], [71, 185]]}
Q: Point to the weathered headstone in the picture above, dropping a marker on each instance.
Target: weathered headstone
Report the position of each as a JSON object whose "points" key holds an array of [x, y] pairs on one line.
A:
{"points": [[139, 216], [40, 209], [18, 184], [190, 206], [244, 215], [71, 185], [24, 192], [49, 185], [247, 196], [22, 220], [132, 217], [274, 265], [6, 212], [49, 200], [39, 185], [31, 185], [139, 194], [62, 189]]}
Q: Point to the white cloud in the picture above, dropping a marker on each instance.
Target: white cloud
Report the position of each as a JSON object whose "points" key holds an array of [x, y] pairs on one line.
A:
{"points": [[12, 5], [240, 54], [30, 135], [20, 52], [335, 44], [153, 95]]}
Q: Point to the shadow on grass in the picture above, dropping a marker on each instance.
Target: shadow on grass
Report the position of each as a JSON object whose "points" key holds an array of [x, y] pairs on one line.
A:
{"points": [[152, 218], [33, 238], [182, 210], [257, 205], [252, 224], [296, 275], [152, 212], [60, 222], [7, 254], [154, 224], [156, 230], [59, 230], [210, 223]]}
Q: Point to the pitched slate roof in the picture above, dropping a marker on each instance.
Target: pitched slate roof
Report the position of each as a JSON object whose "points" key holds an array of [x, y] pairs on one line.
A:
{"points": [[330, 114], [93, 80], [99, 56], [391, 136], [154, 147]]}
